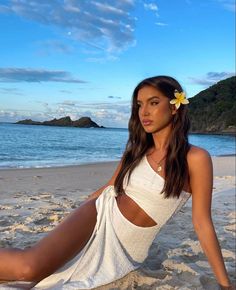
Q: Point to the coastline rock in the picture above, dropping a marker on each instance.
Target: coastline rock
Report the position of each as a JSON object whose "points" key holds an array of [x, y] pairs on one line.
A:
{"points": [[28, 122], [84, 122]]}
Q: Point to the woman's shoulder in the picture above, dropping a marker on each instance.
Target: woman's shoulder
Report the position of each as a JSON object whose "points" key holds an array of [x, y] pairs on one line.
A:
{"points": [[196, 151], [197, 156]]}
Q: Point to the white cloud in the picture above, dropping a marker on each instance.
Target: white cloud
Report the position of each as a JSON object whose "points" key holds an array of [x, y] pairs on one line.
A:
{"points": [[108, 24], [211, 78], [228, 4], [65, 92], [101, 59], [4, 8], [113, 97], [161, 24], [51, 46], [10, 91], [150, 6], [68, 103], [36, 75]]}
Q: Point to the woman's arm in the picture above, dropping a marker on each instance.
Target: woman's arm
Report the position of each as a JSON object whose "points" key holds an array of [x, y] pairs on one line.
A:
{"points": [[57, 247], [201, 182]]}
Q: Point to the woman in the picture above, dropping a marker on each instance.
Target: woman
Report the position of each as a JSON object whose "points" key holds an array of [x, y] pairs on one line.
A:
{"points": [[110, 233]]}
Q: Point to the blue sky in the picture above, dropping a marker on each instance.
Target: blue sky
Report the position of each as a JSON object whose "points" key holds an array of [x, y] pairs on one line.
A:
{"points": [[84, 58]]}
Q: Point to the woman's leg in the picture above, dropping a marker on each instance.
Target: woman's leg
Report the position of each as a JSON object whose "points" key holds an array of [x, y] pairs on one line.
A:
{"points": [[54, 250]]}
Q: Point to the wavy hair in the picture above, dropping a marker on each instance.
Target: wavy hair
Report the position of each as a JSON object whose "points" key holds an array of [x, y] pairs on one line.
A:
{"points": [[176, 166]]}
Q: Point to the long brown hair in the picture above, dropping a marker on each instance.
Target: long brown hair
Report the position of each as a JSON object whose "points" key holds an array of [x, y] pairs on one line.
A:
{"points": [[176, 167]]}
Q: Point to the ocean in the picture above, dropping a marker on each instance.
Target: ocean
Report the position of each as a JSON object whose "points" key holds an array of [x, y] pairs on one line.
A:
{"points": [[29, 146]]}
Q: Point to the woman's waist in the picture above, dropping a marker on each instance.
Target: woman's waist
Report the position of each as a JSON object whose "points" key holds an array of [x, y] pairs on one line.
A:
{"points": [[133, 212]]}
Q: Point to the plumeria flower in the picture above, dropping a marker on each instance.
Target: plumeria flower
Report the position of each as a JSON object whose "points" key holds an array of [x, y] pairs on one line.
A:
{"points": [[179, 99]]}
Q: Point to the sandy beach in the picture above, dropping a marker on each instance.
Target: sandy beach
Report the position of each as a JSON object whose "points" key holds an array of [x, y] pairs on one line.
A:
{"points": [[33, 201]]}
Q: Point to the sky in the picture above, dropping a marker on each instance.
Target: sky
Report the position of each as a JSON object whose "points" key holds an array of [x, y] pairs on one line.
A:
{"points": [[84, 58]]}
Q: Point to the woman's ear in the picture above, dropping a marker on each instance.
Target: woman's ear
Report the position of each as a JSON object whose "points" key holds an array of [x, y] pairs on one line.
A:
{"points": [[173, 110]]}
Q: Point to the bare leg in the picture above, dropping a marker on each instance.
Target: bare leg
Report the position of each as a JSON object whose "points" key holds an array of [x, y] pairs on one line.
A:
{"points": [[54, 250]]}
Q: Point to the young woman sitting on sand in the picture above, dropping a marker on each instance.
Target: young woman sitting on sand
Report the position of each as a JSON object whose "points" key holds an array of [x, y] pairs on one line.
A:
{"points": [[110, 234]]}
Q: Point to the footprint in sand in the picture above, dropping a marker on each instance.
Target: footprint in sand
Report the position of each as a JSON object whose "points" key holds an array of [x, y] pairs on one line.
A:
{"points": [[8, 220], [37, 176], [232, 215], [46, 195], [18, 194], [54, 218], [230, 228], [5, 207], [228, 254], [34, 198], [41, 221], [48, 220], [203, 264], [171, 264], [17, 206]]}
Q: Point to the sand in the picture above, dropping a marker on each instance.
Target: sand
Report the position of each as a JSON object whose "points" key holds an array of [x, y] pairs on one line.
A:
{"points": [[33, 201]]}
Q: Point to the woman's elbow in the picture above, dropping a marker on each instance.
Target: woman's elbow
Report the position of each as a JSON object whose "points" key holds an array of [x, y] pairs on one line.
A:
{"points": [[29, 269], [27, 273]]}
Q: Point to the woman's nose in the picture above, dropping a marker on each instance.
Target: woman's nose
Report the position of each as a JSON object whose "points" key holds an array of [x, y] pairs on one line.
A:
{"points": [[145, 111]]}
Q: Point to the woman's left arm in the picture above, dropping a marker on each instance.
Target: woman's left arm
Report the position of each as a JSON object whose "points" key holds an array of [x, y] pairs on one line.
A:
{"points": [[201, 182]]}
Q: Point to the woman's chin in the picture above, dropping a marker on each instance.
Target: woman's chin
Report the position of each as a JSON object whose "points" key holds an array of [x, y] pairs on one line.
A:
{"points": [[149, 129]]}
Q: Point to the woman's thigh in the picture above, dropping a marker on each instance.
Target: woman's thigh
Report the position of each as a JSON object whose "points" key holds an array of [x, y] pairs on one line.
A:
{"points": [[65, 241]]}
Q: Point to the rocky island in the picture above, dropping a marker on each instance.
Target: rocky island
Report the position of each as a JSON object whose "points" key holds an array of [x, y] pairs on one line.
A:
{"points": [[84, 122]]}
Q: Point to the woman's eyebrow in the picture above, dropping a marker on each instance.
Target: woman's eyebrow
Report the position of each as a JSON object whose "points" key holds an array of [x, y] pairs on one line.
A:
{"points": [[151, 98]]}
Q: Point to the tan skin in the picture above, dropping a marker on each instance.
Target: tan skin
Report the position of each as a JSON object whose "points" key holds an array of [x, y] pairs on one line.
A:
{"points": [[70, 236]]}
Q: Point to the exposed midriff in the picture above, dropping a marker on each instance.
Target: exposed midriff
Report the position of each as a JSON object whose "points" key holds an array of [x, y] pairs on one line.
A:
{"points": [[133, 212]]}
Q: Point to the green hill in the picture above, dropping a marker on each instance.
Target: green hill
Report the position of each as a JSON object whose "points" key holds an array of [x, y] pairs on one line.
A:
{"points": [[214, 109]]}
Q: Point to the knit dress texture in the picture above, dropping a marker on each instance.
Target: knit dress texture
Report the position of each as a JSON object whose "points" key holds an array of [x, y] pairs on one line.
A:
{"points": [[117, 246]]}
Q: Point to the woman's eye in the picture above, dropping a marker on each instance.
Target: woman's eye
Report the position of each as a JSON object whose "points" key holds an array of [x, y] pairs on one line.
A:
{"points": [[154, 103]]}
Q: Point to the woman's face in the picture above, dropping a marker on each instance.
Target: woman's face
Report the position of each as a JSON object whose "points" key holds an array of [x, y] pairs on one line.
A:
{"points": [[155, 111]]}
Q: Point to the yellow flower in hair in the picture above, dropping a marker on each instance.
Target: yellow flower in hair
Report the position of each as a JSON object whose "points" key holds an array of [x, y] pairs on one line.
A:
{"points": [[179, 99]]}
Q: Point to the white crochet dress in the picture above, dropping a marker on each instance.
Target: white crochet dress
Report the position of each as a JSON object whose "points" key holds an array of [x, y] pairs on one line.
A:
{"points": [[116, 246]]}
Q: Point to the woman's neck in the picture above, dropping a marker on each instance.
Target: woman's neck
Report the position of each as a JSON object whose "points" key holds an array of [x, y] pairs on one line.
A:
{"points": [[161, 140]]}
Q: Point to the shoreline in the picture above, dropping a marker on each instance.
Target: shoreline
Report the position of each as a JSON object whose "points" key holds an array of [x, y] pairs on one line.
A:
{"points": [[87, 164], [223, 133], [59, 166], [84, 178], [233, 134]]}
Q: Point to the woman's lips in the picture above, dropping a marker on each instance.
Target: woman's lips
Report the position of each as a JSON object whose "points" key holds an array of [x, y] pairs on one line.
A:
{"points": [[147, 122]]}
